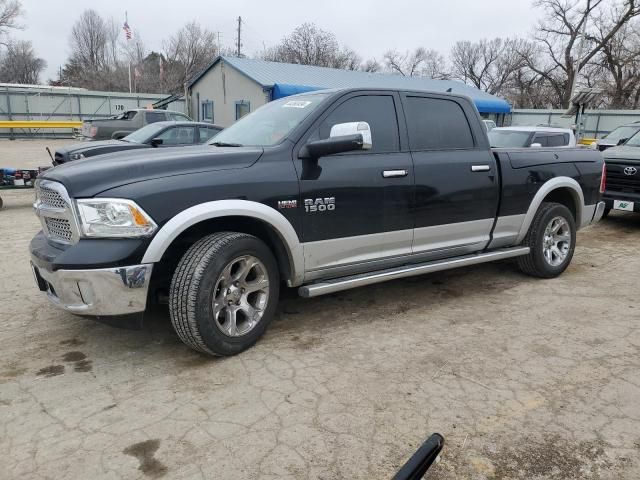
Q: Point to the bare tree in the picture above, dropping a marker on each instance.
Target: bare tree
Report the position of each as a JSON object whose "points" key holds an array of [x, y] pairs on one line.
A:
{"points": [[488, 64], [19, 64], [187, 52], [560, 37], [89, 40], [371, 66], [10, 11], [420, 62]]}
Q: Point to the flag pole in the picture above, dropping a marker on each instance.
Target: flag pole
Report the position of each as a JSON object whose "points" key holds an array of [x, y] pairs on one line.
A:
{"points": [[127, 34]]}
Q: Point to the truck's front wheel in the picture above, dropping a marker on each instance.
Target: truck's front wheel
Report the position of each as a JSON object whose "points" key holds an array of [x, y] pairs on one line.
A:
{"points": [[552, 240], [224, 293]]}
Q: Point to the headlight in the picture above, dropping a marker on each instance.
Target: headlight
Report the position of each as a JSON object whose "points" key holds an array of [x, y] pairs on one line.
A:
{"points": [[77, 156], [113, 217]]}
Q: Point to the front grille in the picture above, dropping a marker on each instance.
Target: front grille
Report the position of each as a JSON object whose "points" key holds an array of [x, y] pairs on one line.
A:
{"points": [[51, 198], [618, 181], [59, 229], [54, 207]]}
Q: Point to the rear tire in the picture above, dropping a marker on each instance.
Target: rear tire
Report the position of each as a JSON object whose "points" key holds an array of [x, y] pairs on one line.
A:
{"points": [[606, 212], [224, 293], [552, 239]]}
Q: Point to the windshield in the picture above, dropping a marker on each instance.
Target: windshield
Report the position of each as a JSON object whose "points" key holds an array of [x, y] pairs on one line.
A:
{"points": [[508, 138], [620, 133], [633, 141], [271, 123], [144, 134]]}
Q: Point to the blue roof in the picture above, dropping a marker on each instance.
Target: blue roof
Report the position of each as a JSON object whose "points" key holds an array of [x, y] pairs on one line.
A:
{"points": [[294, 78]]}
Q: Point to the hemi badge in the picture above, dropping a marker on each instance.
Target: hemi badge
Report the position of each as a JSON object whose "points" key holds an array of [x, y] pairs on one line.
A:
{"points": [[287, 204]]}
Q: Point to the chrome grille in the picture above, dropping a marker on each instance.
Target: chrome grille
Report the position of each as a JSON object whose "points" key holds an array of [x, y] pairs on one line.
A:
{"points": [[54, 208], [59, 229], [51, 198]]}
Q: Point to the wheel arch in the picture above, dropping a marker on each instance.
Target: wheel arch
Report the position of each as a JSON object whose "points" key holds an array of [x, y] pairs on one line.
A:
{"points": [[244, 216], [564, 190]]}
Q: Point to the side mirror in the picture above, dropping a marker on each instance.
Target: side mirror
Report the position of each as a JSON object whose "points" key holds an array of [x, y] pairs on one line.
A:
{"points": [[344, 137], [536, 145], [156, 142], [622, 141]]}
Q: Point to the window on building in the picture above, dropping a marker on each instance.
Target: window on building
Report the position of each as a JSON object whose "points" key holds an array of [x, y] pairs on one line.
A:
{"points": [[243, 107], [207, 111]]}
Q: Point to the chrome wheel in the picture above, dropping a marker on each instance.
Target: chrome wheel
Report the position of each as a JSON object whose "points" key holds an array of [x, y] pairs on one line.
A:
{"points": [[240, 296], [557, 241]]}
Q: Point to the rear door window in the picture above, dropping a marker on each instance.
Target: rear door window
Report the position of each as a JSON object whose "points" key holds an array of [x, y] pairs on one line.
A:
{"points": [[378, 111], [153, 117], [437, 124]]}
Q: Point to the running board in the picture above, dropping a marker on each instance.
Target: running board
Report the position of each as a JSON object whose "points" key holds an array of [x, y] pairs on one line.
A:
{"points": [[345, 283]]}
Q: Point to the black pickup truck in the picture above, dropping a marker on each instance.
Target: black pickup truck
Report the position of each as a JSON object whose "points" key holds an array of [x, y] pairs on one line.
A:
{"points": [[323, 191]]}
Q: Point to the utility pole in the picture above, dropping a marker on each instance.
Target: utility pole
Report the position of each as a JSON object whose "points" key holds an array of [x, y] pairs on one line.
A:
{"points": [[239, 30]]}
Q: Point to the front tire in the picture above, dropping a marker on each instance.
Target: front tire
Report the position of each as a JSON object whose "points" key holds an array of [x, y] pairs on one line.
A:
{"points": [[224, 293], [552, 240]]}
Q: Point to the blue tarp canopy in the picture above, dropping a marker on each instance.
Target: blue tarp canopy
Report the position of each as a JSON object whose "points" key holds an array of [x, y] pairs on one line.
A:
{"points": [[485, 103]]}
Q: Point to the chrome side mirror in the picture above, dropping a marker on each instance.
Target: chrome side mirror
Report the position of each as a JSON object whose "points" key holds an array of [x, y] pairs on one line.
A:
{"points": [[353, 128], [536, 145]]}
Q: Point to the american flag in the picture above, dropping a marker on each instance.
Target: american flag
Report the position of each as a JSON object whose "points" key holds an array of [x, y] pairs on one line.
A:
{"points": [[127, 30]]}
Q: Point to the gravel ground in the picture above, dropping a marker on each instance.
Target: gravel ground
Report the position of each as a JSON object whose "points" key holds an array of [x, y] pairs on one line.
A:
{"points": [[525, 378]]}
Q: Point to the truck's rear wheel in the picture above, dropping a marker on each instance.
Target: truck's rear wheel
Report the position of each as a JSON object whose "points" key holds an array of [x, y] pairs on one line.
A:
{"points": [[224, 293], [552, 240]]}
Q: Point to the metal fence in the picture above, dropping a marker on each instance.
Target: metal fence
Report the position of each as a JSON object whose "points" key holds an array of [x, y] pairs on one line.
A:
{"points": [[25, 102], [597, 123]]}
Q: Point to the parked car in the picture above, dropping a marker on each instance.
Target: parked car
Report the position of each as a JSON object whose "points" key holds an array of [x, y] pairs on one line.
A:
{"points": [[160, 134], [489, 124], [524, 137], [322, 191], [623, 176], [122, 125], [617, 137]]}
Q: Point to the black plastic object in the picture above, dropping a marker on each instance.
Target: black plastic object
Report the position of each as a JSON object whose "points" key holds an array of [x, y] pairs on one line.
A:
{"points": [[421, 461]]}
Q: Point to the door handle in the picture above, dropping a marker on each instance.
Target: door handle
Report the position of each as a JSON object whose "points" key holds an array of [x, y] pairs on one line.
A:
{"points": [[394, 173], [480, 168]]}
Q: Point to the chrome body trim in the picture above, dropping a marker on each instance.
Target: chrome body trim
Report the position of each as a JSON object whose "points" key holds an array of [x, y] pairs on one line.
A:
{"points": [[394, 173], [227, 208], [346, 283], [506, 231], [474, 233], [66, 213], [99, 292], [545, 189]]}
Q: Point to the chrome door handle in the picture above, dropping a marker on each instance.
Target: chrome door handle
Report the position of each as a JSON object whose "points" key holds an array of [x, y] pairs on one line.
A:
{"points": [[480, 168], [394, 173]]}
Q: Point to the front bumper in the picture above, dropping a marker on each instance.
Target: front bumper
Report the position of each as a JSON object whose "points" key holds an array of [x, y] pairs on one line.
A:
{"points": [[99, 292]]}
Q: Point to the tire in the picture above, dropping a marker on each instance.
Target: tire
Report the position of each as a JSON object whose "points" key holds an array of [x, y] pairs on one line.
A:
{"points": [[606, 212], [213, 308], [543, 261]]}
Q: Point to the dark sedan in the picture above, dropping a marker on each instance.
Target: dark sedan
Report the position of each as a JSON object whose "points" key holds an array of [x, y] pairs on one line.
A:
{"points": [[159, 134]]}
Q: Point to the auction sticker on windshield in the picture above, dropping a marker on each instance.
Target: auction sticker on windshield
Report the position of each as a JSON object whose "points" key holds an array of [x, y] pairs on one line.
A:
{"points": [[623, 205], [296, 104]]}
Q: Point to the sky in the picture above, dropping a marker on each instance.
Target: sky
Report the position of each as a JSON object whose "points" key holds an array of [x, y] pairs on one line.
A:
{"points": [[369, 27]]}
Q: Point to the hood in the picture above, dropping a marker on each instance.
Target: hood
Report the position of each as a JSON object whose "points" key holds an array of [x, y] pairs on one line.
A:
{"points": [[622, 153], [86, 146], [89, 177]]}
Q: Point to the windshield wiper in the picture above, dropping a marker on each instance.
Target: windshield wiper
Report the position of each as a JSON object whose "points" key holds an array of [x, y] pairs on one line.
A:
{"points": [[225, 144]]}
